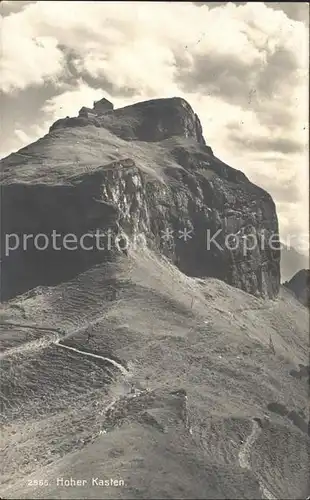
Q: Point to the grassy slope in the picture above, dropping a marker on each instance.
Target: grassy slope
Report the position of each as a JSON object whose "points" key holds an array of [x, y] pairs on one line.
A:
{"points": [[172, 332], [66, 153]]}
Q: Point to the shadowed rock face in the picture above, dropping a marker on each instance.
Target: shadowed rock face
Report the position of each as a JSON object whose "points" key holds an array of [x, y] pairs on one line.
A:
{"points": [[300, 286], [194, 191]]}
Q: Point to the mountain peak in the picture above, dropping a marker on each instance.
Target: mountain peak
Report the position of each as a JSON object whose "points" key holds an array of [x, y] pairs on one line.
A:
{"points": [[299, 284], [149, 121], [140, 170]]}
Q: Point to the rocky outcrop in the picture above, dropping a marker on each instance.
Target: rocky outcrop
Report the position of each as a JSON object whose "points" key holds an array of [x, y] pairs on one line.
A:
{"points": [[205, 216], [300, 286], [149, 121]]}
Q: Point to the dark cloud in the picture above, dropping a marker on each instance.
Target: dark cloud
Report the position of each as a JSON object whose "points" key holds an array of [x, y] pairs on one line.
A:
{"points": [[74, 70], [7, 8], [279, 117], [234, 125], [21, 110], [263, 86], [276, 144], [232, 79], [219, 75], [298, 11], [280, 69], [284, 191], [287, 192]]}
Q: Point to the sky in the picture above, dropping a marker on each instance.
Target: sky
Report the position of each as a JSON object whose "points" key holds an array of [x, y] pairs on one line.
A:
{"points": [[243, 67]]}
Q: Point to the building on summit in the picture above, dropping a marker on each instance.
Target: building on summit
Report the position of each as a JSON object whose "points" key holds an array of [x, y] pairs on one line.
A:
{"points": [[103, 106], [99, 108]]}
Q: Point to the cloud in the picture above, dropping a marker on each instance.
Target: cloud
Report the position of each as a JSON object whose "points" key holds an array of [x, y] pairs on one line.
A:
{"points": [[27, 59], [276, 144], [10, 7], [242, 66], [69, 101], [22, 136], [298, 11]]}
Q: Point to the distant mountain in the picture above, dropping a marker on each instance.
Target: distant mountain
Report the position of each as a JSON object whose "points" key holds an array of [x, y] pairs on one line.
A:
{"points": [[291, 262], [300, 286]]}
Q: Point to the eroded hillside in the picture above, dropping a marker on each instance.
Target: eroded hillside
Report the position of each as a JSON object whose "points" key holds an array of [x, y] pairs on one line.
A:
{"points": [[198, 406]]}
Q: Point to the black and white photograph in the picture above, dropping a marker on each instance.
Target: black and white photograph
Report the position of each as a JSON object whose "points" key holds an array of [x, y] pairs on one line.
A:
{"points": [[155, 282]]}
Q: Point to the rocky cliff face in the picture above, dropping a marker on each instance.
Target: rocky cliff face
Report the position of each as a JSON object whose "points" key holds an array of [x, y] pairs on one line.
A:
{"points": [[142, 174], [299, 284]]}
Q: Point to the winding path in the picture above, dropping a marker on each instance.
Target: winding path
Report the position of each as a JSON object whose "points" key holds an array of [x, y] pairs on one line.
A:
{"points": [[245, 458], [112, 361], [41, 343], [245, 450]]}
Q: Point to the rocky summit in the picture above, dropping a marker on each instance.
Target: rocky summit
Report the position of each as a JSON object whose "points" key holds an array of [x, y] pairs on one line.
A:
{"points": [[140, 170], [299, 284], [148, 349]]}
